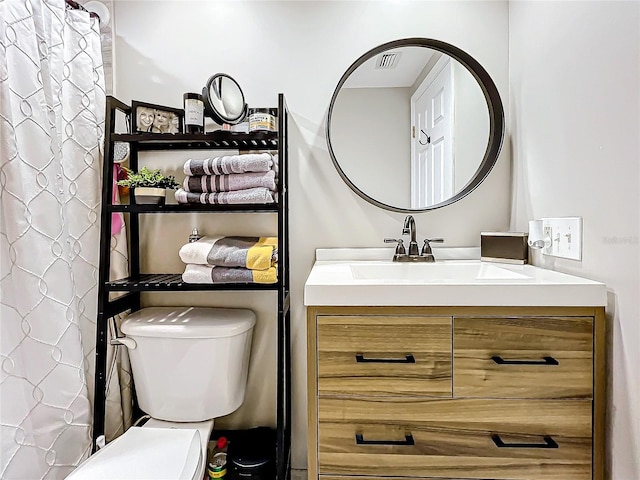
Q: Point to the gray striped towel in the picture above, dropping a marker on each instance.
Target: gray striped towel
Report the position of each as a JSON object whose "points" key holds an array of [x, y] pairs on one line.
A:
{"points": [[228, 183], [251, 195], [226, 164]]}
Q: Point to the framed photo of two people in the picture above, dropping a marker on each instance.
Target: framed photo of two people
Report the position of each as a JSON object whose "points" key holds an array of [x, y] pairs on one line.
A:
{"points": [[146, 117]]}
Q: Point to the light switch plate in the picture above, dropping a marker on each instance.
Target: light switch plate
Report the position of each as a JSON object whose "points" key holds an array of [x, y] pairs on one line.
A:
{"points": [[566, 237]]}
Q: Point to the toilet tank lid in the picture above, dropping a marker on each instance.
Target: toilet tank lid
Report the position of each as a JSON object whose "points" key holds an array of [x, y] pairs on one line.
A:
{"points": [[158, 453], [188, 322]]}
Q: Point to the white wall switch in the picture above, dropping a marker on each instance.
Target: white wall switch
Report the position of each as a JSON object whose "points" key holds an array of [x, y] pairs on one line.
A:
{"points": [[566, 237]]}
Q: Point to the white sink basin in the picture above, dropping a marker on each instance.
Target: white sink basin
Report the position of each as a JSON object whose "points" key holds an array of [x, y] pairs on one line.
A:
{"points": [[357, 277], [433, 272]]}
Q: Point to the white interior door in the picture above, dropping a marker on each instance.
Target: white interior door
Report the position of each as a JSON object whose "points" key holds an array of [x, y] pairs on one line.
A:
{"points": [[432, 172]]}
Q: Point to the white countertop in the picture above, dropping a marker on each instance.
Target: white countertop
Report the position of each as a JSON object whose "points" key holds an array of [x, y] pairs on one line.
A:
{"points": [[368, 277]]}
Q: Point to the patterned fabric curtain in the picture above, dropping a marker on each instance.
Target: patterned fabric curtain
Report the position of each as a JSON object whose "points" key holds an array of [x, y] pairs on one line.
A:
{"points": [[52, 105]]}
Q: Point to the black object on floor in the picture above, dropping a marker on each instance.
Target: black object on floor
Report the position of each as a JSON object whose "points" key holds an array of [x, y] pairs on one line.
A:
{"points": [[251, 454]]}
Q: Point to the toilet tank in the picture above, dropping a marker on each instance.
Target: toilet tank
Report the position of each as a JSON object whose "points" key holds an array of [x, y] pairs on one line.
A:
{"points": [[189, 364]]}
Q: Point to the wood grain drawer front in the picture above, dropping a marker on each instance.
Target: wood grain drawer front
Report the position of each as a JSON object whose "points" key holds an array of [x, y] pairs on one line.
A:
{"points": [[346, 477], [341, 477], [550, 357], [384, 355], [466, 438]]}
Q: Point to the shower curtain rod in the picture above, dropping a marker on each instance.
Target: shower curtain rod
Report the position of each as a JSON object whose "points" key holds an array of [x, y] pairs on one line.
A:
{"points": [[76, 6]]}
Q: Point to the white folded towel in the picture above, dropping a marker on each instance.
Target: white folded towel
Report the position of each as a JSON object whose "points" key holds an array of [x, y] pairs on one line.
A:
{"points": [[226, 164], [228, 183], [252, 195]]}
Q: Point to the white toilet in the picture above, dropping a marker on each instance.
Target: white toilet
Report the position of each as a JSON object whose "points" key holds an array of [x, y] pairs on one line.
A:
{"points": [[190, 366]]}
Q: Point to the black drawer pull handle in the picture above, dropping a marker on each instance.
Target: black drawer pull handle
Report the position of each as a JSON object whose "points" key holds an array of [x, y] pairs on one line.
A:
{"points": [[408, 440], [548, 443], [408, 359], [545, 361]]}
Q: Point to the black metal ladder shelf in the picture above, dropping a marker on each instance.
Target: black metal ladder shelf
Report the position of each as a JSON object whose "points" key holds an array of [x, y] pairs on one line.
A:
{"points": [[139, 282]]}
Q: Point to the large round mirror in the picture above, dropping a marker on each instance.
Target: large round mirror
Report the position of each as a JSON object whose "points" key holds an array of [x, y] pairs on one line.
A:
{"points": [[415, 124]]}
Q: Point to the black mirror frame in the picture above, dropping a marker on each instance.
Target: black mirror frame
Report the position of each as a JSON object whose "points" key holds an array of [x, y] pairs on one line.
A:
{"points": [[211, 111], [494, 103]]}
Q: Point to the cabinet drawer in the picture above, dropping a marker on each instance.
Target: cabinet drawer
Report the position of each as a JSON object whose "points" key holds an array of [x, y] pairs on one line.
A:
{"points": [[334, 477], [550, 357], [384, 355], [469, 438]]}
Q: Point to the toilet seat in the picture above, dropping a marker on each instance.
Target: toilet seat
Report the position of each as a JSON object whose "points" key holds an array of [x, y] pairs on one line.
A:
{"points": [[145, 453]]}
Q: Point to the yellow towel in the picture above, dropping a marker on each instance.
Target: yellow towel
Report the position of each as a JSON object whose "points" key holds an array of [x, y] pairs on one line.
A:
{"points": [[270, 275], [261, 255]]}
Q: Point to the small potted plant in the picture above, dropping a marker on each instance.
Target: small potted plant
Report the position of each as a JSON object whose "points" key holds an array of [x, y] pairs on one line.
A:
{"points": [[149, 186]]}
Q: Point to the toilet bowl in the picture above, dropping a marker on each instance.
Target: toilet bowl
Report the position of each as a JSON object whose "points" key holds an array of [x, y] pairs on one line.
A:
{"points": [[189, 366]]}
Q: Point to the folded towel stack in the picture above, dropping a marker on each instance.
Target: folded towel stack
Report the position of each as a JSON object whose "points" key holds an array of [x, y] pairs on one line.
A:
{"points": [[230, 179], [230, 260]]}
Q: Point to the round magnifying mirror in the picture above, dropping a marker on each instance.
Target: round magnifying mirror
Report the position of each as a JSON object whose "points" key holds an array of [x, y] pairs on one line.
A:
{"points": [[223, 100], [414, 125]]}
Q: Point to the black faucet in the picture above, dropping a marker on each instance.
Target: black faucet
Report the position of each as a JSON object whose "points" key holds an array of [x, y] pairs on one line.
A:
{"points": [[413, 255], [409, 228]]}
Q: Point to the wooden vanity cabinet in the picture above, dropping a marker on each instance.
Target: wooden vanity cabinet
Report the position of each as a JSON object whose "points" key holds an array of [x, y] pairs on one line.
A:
{"points": [[459, 392]]}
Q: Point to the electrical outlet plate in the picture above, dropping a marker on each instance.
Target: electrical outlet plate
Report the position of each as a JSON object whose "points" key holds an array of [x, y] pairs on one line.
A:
{"points": [[566, 237]]}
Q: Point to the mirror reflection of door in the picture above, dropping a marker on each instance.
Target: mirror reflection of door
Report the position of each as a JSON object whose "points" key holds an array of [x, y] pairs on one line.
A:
{"points": [[432, 162]]}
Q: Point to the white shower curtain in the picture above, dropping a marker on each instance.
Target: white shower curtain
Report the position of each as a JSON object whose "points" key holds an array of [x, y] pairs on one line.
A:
{"points": [[52, 105]]}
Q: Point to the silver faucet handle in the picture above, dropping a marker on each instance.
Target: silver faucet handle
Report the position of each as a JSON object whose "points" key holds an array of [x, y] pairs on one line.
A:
{"points": [[426, 247], [400, 250]]}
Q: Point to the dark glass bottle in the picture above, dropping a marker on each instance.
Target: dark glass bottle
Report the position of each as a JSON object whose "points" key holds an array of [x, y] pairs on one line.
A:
{"points": [[193, 113]]}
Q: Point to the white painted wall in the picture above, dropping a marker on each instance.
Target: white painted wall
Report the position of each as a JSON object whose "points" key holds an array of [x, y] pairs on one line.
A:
{"points": [[575, 108], [166, 48]]}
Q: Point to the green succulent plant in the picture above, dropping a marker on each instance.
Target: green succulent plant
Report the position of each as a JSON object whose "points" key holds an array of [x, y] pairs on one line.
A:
{"points": [[148, 178]]}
